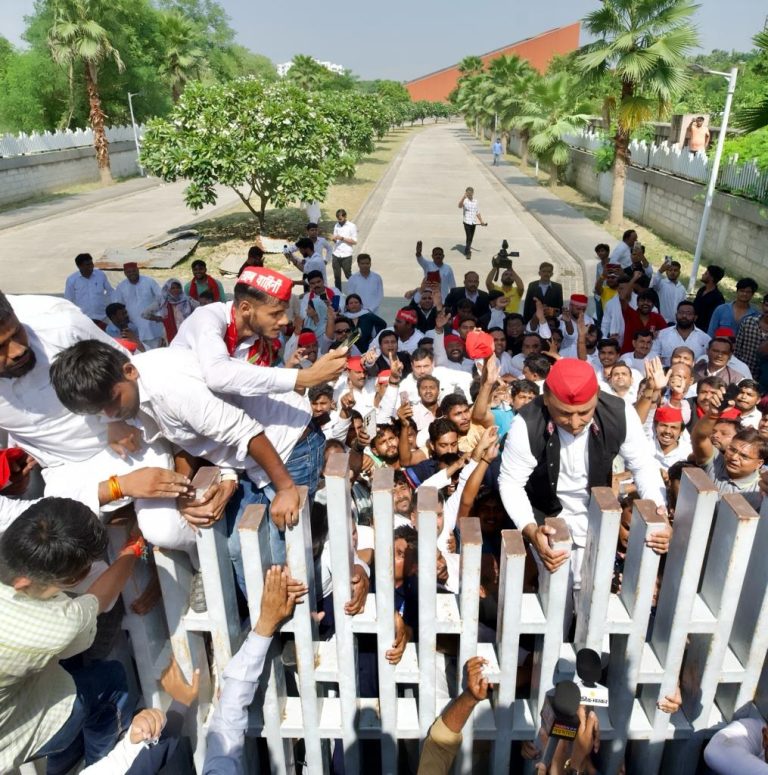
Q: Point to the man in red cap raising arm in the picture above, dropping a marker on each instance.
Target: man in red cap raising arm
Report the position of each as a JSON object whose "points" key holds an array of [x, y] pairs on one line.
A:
{"points": [[560, 446], [576, 309]]}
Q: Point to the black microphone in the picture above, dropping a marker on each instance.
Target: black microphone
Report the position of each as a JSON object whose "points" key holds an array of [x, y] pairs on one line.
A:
{"points": [[559, 716], [589, 669]]}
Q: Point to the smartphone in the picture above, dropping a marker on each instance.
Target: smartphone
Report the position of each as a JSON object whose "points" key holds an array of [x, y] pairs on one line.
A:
{"points": [[730, 395], [405, 399], [514, 254], [433, 277], [369, 424], [418, 248], [353, 336], [204, 478]]}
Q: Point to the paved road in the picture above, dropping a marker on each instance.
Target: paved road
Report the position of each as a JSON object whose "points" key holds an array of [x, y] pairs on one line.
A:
{"points": [[418, 199], [37, 257]]}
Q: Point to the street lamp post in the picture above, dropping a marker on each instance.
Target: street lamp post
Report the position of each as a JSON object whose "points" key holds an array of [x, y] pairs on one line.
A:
{"points": [[135, 131], [731, 78]]}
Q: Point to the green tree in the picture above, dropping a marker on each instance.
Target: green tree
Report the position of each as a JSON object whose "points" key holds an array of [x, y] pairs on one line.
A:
{"points": [[268, 143], [550, 111], [471, 65], [307, 73], [644, 44], [183, 56], [76, 39], [756, 117]]}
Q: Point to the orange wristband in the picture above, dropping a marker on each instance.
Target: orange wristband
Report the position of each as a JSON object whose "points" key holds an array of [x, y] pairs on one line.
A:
{"points": [[115, 492], [136, 547]]}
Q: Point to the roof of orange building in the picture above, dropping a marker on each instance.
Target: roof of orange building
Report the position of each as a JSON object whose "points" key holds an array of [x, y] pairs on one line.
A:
{"points": [[538, 50]]}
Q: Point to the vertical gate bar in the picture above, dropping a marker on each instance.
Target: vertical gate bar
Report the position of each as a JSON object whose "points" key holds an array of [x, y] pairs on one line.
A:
{"points": [[427, 557]]}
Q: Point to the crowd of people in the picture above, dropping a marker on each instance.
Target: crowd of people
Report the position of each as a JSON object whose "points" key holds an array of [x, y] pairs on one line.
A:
{"points": [[509, 399]]}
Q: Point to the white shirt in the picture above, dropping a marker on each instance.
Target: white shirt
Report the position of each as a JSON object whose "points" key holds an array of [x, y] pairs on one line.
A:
{"points": [[90, 294], [517, 464], [570, 339], [680, 452], [315, 263], [470, 209], [364, 398], [226, 734], [370, 289], [670, 295], [447, 280], [621, 254], [348, 230], [637, 364], [137, 297], [216, 428], [737, 749], [668, 339], [30, 411], [613, 318], [411, 343], [203, 333], [448, 378], [592, 358], [751, 419]]}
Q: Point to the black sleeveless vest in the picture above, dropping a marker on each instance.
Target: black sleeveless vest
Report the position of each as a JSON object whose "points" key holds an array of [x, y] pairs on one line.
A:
{"points": [[606, 435]]}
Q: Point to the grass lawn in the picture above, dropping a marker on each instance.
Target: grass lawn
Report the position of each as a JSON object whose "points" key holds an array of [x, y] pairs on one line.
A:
{"points": [[234, 231], [655, 247]]}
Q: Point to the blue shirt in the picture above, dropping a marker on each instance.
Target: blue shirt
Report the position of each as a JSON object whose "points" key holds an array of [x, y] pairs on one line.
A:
{"points": [[723, 317]]}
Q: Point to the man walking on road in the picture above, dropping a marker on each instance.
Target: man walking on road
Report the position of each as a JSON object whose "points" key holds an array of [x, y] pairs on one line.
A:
{"points": [[344, 237], [471, 217], [497, 150]]}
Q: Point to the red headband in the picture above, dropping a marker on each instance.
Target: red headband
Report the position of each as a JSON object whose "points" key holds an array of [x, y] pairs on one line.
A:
{"points": [[267, 281]]}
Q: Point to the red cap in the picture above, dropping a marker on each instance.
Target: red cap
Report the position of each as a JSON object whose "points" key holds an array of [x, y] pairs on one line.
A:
{"points": [[306, 339], [355, 363], [479, 344], [572, 381], [8, 456], [267, 281], [453, 339], [407, 316], [613, 267], [130, 265], [128, 344], [579, 298], [725, 332], [731, 413], [383, 376], [668, 413]]}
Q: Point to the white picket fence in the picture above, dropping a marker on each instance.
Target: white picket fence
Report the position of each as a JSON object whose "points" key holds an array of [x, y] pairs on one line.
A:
{"points": [[744, 178], [710, 632], [24, 144]]}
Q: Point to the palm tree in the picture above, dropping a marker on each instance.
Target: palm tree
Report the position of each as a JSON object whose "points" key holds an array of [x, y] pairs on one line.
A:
{"points": [[644, 43], [754, 118], [470, 65], [77, 39], [549, 112], [183, 57], [511, 79], [307, 73]]}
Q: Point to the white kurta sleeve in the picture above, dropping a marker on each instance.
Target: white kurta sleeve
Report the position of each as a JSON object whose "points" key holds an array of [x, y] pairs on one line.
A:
{"points": [[738, 748], [638, 454], [517, 464]]}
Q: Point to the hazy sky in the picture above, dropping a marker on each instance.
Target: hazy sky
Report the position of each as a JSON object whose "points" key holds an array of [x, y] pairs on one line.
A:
{"points": [[403, 39]]}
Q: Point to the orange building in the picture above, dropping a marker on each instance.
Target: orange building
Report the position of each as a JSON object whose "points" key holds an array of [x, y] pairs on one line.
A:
{"points": [[537, 50]]}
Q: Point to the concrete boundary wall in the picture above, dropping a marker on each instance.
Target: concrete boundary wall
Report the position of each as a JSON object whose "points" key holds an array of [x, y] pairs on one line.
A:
{"points": [[737, 233], [23, 177]]}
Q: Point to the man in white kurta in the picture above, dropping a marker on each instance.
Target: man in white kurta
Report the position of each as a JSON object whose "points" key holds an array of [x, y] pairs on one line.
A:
{"points": [[72, 450], [138, 293]]}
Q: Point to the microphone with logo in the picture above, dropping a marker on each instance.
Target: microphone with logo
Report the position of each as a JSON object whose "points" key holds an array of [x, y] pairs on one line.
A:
{"points": [[589, 669], [559, 718]]}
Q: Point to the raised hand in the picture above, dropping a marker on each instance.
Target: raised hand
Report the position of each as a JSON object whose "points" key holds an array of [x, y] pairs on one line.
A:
{"points": [[654, 371]]}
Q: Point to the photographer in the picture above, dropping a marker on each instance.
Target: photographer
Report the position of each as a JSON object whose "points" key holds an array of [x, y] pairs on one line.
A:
{"points": [[512, 285]]}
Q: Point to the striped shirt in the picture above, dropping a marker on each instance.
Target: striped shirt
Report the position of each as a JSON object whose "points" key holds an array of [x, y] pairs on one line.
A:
{"points": [[36, 693]]}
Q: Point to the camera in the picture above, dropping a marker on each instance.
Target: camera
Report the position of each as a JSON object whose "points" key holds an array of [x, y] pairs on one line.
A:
{"points": [[503, 259]]}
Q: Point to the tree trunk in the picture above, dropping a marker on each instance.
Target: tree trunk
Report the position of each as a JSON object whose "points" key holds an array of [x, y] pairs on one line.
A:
{"points": [[621, 159], [523, 151], [175, 92], [97, 124]]}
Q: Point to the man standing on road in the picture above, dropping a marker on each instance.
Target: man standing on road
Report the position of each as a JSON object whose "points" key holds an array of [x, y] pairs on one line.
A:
{"points": [[344, 237], [89, 289], [366, 284], [436, 271], [471, 217], [138, 293], [497, 150]]}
